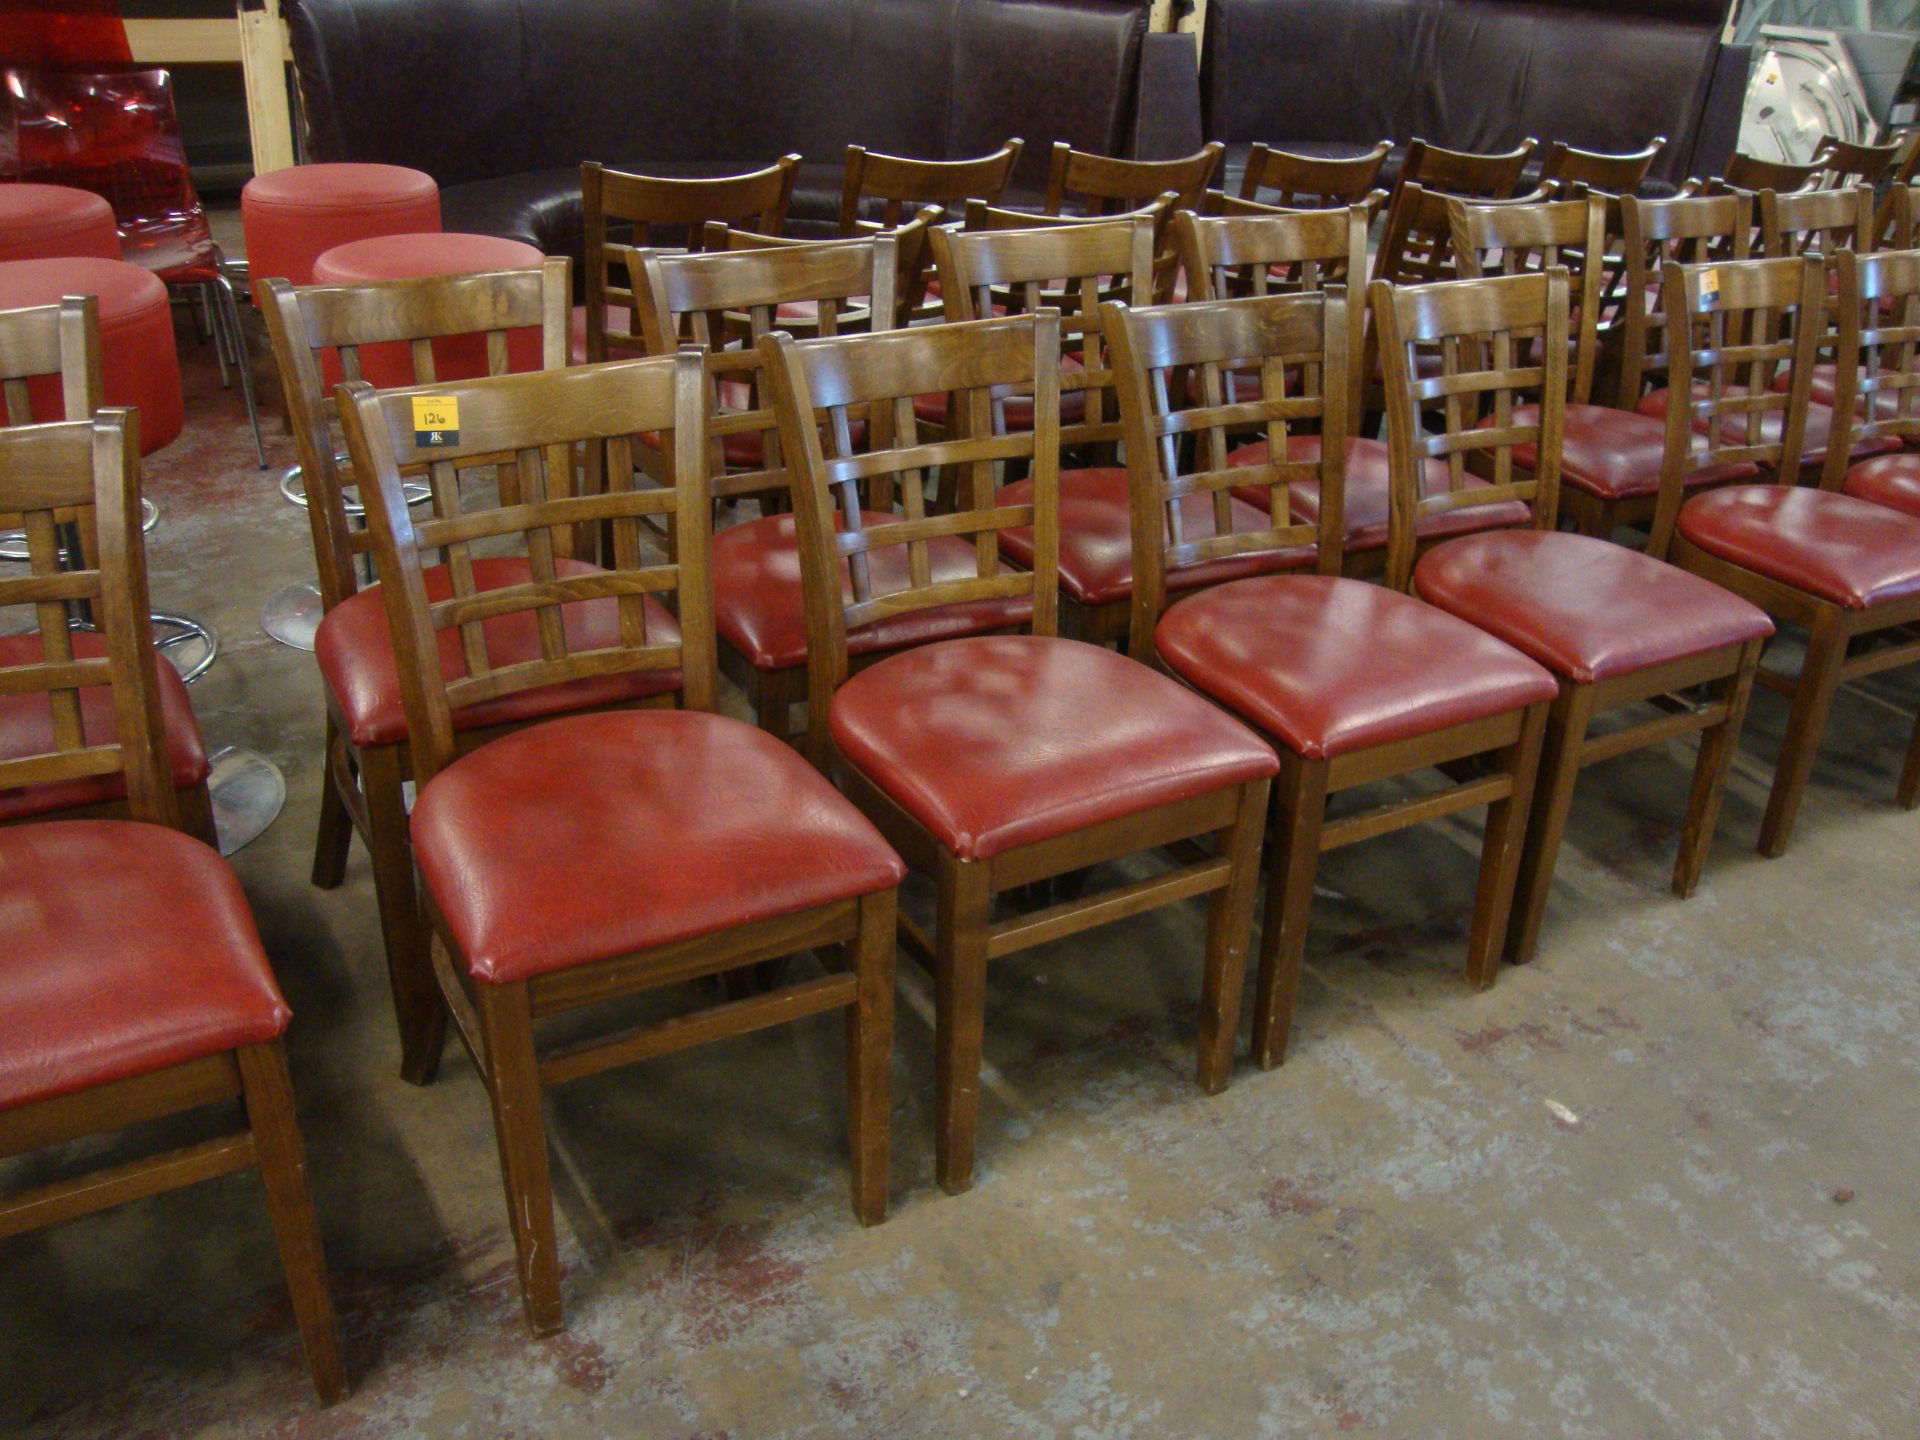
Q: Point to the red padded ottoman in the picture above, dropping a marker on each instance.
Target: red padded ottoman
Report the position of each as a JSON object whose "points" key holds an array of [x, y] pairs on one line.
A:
{"points": [[44, 222], [138, 364], [292, 217], [414, 257]]}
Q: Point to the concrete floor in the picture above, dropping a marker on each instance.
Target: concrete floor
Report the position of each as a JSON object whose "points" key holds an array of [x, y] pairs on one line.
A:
{"points": [[1660, 1183]]}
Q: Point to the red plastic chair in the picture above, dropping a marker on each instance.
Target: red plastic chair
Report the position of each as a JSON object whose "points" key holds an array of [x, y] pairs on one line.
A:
{"points": [[117, 134]]}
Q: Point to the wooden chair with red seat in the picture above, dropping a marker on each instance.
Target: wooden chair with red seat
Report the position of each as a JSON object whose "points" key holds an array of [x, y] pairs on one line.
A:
{"points": [[896, 185], [996, 762], [369, 756], [1845, 164], [1842, 567], [1313, 182], [1744, 172], [1611, 460], [608, 325], [133, 984], [1349, 681], [597, 856], [1878, 309], [1886, 229], [1569, 173], [1104, 185], [58, 346], [1467, 173], [1616, 628], [1160, 210], [913, 268]]}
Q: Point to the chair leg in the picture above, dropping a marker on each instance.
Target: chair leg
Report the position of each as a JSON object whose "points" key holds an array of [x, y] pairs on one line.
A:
{"points": [[229, 309], [196, 814], [1292, 860], [513, 1083], [870, 1056], [1710, 773], [1229, 932], [418, 1006], [1812, 700], [283, 1172], [1502, 850], [334, 834], [1559, 771], [959, 1027]]}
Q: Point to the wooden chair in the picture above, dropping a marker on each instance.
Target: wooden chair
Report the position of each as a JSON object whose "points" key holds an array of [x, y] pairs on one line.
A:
{"points": [[1350, 682], [1689, 228], [1743, 172], [1612, 174], [1312, 182], [604, 855], [1842, 567], [996, 762], [1160, 210], [642, 203], [1616, 628], [897, 185], [56, 348], [1845, 164], [1103, 185], [369, 756], [1878, 314], [133, 984], [1886, 231], [1465, 172], [913, 268]]}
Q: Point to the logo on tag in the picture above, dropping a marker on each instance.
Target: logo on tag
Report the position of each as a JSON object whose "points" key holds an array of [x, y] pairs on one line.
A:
{"points": [[1709, 288], [436, 420]]}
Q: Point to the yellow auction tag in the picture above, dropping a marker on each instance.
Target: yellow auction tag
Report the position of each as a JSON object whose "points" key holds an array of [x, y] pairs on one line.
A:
{"points": [[1709, 295], [436, 420]]}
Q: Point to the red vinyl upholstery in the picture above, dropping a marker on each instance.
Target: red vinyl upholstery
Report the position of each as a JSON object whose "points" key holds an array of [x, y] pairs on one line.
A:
{"points": [[355, 651], [292, 217], [1329, 666], [152, 962], [1366, 494], [1616, 454], [1096, 538], [1840, 548], [1733, 428], [594, 836], [1001, 741], [44, 222], [1892, 480], [26, 728], [759, 608]]}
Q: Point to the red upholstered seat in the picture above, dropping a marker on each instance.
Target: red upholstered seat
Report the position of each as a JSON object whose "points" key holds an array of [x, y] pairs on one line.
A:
{"points": [[1892, 480], [1096, 538], [42, 222], [129, 948], [1002, 741], [1733, 428], [1583, 607], [597, 835], [760, 611], [139, 366], [1367, 490], [1823, 383], [618, 318], [292, 217], [1616, 454], [1329, 666], [1840, 548], [1017, 409], [26, 728], [355, 651]]}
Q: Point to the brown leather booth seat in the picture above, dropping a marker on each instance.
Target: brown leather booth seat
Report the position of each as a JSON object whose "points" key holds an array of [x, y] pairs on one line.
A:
{"points": [[1332, 77], [500, 100]]}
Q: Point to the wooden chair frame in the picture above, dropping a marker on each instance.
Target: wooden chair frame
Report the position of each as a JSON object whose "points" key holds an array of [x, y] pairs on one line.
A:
{"points": [[1886, 230], [1612, 174], [1312, 182], [758, 198], [1688, 228], [901, 183], [1466, 173], [1846, 164], [1744, 172], [1108, 186], [362, 792], [886, 371], [92, 466], [529, 425], [64, 340], [1476, 322]]}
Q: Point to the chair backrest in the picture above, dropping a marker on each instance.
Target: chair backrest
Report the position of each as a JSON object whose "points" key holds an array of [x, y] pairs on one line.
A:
{"points": [[1901, 180], [1484, 331], [1228, 256], [1822, 222], [1730, 329], [1877, 314], [306, 321], [1313, 182], [1522, 239], [1067, 268], [1743, 172], [724, 301], [1416, 247], [638, 204], [902, 184], [1688, 229], [1466, 173], [884, 373], [58, 342], [526, 430], [912, 256], [1106, 186], [1845, 163], [116, 133], [1171, 366], [1620, 174], [1898, 227], [52, 476]]}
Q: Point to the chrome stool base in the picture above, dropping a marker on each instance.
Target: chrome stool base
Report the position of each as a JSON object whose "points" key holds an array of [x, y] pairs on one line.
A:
{"points": [[190, 645], [248, 793], [292, 614], [13, 543], [293, 489]]}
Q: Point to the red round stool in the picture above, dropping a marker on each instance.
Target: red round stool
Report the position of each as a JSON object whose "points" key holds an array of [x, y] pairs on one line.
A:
{"points": [[292, 217], [414, 257], [44, 222], [138, 364]]}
